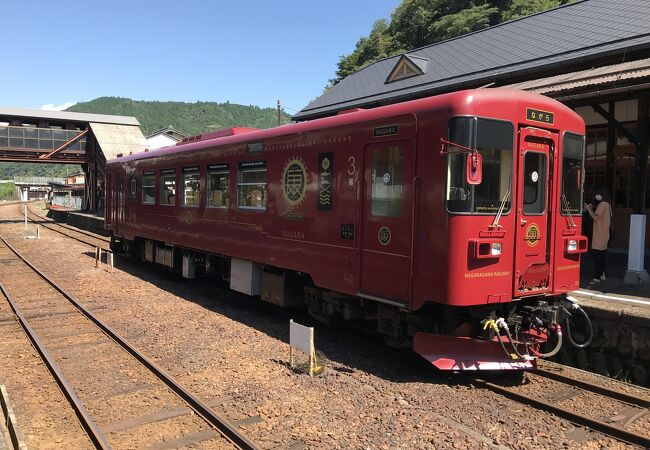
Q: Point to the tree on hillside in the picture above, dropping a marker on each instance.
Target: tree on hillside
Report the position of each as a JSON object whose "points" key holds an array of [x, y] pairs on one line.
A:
{"points": [[376, 46], [190, 118], [416, 23]]}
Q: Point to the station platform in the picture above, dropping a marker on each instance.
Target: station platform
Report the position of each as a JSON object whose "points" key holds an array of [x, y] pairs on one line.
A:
{"points": [[85, 220], [620, 313]]}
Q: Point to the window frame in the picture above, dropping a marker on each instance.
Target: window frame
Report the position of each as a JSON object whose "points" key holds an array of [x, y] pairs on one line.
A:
{"points": [[388, 147], [240, 171], [133, 187], [506, 212], [144, 186], [217, 169], [544, 184], [184, 172], [162, 173], [583, 173]]}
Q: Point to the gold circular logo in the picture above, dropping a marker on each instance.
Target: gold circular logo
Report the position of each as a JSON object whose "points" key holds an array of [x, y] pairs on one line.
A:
{"points": [[188, 218], [294, 181], [532, 234], [384, 236]]}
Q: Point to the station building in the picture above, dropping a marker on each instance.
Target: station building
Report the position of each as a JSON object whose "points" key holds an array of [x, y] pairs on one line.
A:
{"points": [[592, 55], [164, 137]]}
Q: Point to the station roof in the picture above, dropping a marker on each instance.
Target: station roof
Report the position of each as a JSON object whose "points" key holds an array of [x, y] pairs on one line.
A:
{"points": [[615, 75], [572, 37], [114, 139], [68, 116]]}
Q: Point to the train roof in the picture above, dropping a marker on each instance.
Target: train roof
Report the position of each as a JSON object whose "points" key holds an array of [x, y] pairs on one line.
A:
{"points": [[452, 101]]}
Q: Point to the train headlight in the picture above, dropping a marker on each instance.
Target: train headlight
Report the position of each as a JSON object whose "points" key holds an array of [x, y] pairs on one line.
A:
{"points": [[496, 248], [572, 245]]}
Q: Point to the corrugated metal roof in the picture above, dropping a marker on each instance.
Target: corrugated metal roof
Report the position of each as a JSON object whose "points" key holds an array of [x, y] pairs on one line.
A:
{"points": [[564, 36], [115, 139], [590, 77], [68, 116]]}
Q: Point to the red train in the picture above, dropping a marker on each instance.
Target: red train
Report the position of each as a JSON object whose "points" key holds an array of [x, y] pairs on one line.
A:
{"points": [[450, 222]]}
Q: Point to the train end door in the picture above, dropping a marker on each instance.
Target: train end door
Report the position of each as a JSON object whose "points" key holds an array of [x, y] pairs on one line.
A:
{"points": [[534, 212]]}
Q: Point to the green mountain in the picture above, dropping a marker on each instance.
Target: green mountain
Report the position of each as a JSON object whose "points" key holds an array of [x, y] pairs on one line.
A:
{"points": [[189, 118]]}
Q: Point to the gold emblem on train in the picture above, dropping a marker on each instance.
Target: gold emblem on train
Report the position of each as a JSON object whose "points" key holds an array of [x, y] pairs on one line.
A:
{"points": [[384, 235], [532, 235], [294, 181]]}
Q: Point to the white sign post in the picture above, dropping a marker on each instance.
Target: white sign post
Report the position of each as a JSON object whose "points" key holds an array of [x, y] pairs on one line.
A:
{"points": [[302, 338], [25, 199], [636, 272]]}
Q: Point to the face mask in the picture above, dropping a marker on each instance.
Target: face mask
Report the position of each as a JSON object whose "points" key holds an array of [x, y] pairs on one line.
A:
{"points": [[599, 197]]}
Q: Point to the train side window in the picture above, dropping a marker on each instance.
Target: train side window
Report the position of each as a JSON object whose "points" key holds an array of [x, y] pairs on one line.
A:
{"points": [[168, 187], [218, 185], [133, 186], [534, 183], [386, 178], [191, 186], [149, 188], [251, 185]]}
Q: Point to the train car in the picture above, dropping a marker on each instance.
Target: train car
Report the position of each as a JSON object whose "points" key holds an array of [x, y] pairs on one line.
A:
{"points": [[449, 223]]}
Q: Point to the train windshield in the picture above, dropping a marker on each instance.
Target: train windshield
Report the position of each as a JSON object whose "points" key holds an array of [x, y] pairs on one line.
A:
{"points": [[572, 161], [494, 140]]}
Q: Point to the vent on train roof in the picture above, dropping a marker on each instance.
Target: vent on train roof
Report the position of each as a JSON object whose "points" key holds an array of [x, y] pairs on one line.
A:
{"points": [[348, 111], [216, 134]]}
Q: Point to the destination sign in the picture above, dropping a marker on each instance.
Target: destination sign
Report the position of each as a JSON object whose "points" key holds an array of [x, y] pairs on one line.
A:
{"points": [[536, 115]]}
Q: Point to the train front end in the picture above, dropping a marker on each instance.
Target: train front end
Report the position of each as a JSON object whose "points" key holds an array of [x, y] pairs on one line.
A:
{"points": [[513, 199]]}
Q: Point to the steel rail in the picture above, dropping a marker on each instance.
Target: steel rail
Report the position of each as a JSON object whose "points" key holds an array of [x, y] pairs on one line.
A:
{"points": [[591, 387], [227, 430], [93, 431], [618, 433], [48, 224], [45, 220]]}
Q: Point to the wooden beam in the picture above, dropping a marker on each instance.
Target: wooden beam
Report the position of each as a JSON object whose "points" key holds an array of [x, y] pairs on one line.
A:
{"points": [[610, 118], [641, 166]]}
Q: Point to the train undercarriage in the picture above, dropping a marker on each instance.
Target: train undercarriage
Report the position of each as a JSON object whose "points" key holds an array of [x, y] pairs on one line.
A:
{"points": [[488, 337]]}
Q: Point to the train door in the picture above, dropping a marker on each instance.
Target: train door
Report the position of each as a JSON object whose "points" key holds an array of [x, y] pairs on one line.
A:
{"points": [[534, 212], [121, 199], [386, 221], [109, 205]]}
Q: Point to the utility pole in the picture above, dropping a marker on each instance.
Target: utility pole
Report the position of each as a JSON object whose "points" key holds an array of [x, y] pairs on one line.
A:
{"points": [[279, 112]]}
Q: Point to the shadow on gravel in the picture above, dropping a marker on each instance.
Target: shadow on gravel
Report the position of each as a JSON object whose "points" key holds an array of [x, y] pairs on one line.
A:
{"points": [[340, 350]]}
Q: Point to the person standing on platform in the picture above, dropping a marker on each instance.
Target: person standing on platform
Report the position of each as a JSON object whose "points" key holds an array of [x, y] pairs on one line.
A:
{"points": [[602, 217]]}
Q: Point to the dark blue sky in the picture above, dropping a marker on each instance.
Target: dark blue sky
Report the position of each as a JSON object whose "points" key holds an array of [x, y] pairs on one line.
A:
{"points": [[246, 51]]}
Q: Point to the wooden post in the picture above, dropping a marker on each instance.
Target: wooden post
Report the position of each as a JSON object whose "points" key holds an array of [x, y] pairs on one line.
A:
{"points": [[643, 127], [312, 355], [611, 143], [98, 256], [38, 231], [109, 261], [291, 348]]}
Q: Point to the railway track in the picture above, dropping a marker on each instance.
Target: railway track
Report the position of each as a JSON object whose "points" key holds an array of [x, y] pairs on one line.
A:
{"points": [[120, 397], [574, 388], [86, 237]]}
